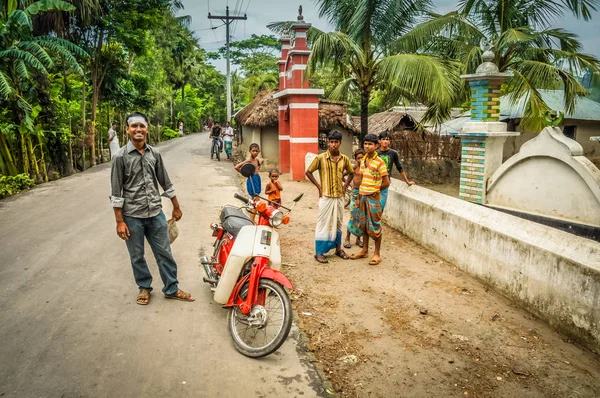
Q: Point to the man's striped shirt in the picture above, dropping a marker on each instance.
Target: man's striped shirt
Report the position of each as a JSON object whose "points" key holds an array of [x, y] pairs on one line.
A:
{"points": [[372, 170], [331, 173]]}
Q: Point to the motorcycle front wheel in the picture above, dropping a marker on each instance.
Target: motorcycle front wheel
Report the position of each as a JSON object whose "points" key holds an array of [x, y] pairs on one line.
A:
{"points": [[264, 330]]}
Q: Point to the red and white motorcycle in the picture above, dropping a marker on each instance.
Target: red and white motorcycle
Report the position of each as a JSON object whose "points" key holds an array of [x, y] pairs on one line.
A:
{"points": [[244, 272]]}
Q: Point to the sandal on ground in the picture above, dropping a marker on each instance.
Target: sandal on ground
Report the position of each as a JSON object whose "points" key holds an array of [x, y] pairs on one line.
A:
{"points": [[356, 256], [374, 262], [359, 243], [347, 245], [342, 254], [143, 298], [321, 258], [180, 295]]}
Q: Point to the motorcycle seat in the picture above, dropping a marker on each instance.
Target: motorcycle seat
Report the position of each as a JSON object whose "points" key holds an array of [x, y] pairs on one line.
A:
{"points": [[233, 220]]}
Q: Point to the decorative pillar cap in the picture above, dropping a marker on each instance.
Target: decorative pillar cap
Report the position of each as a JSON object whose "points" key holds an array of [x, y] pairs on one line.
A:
{"points": [[285, 36], [300, 24], [488, 70]]}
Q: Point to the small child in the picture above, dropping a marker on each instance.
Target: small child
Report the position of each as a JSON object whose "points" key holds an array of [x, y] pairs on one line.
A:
{"points": [[352, 228], [274, 187], [253, 184]]}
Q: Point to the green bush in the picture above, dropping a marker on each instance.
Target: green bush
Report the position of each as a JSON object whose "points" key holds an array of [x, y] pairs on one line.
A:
{"points": [[169, 134], [10, 185]]}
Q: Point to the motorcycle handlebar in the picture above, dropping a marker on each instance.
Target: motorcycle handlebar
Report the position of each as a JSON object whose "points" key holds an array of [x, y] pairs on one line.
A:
{"points": [[242, 198]]}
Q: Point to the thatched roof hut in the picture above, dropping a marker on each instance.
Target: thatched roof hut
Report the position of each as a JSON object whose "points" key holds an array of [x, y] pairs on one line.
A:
{"points": [[387, 121], [262, 111], [390, 121]]}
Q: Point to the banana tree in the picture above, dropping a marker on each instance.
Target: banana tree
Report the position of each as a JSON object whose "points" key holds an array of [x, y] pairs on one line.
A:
{"points": [[23, 57]]}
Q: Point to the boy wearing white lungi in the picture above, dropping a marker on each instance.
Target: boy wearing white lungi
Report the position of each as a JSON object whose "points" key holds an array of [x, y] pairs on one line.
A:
{"points": [[332, 166]]}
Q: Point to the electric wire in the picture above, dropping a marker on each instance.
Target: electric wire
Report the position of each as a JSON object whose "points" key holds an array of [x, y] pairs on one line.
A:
{"points": [[236, 11]]}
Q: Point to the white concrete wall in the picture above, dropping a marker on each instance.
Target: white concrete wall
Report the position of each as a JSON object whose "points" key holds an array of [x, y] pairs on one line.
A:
{"points": [[551, 273], [548, 177]]}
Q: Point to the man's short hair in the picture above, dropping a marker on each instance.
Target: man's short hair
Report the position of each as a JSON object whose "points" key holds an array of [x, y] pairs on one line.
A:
{"points": [[254, 145], [371, 138], [334, 135], [138, 114], [384, 134]]}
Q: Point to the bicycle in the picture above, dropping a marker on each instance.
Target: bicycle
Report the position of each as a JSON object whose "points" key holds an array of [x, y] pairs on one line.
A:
{"points": [[215, 148]]}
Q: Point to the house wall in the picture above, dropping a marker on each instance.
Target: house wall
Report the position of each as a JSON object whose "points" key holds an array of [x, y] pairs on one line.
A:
{"points": [[251, 134], [347, 140], [268, 140], [270, 144], [585, 130]]}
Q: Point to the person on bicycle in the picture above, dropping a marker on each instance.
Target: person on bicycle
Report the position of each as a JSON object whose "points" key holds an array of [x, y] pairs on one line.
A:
{"points": [[215, 134]]}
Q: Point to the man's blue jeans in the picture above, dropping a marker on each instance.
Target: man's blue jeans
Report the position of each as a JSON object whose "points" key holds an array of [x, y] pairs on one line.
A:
{"points": [[156, 231]]}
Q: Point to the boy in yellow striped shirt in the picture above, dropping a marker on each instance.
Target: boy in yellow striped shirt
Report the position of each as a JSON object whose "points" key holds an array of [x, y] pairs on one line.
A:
{"points": [[374, 179]]}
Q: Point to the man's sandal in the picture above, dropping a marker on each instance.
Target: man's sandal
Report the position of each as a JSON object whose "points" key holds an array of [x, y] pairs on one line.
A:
{"points": [[180, 295], [374, 262], [356, 256], [342, 254], [321, 258], [143, 298]]}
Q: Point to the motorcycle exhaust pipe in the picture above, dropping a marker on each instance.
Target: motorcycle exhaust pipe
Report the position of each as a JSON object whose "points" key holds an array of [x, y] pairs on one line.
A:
{"points": [[210, 275]]}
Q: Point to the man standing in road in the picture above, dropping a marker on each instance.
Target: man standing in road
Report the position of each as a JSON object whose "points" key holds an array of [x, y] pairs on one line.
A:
{"points": [[332, 166], [228, 138], [113, 140], [137, 171]]}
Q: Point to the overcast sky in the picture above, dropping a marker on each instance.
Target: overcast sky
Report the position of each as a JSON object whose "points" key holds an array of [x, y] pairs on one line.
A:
{"points": [[262, 12]]}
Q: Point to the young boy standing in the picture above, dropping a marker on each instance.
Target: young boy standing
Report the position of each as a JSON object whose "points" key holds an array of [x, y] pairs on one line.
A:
{"points": [[353, 227], [374, 179], [391, 158], [253, 184]]}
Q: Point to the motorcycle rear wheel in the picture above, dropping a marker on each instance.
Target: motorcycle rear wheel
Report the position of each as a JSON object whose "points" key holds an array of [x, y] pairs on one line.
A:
{"points": [[258, 341]]}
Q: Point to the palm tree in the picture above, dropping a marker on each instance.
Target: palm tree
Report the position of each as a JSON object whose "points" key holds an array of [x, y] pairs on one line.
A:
{"points": [[259, 82], [537, 55], [23, 57], [359, 52]]}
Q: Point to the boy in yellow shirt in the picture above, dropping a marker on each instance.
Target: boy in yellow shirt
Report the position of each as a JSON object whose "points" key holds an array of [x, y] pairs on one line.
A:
{"points": [[374, 179]]}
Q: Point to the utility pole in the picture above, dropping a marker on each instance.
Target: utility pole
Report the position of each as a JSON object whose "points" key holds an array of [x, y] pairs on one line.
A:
{"points": [[227, 20]]}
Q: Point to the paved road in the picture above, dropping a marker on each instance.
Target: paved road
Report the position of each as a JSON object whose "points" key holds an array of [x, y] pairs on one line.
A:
{"points": [[69, 326]]}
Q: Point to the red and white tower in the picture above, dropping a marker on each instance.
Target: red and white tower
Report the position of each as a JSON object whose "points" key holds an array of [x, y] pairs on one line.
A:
{"points": [[298, 103]]}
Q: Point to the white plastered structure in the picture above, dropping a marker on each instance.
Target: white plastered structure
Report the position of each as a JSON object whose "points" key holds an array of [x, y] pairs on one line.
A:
{"points": [[549, 177]]}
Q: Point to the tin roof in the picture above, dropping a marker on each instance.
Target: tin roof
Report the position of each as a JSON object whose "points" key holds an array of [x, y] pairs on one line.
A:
{"points": [[585, 108]]}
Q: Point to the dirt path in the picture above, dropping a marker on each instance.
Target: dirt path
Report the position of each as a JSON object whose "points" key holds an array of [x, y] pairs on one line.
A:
{"points": [[416, 326]]}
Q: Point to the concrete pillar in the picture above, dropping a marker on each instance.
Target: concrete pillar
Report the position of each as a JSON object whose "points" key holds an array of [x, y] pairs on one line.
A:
{"points": [[283, 115], [298, 105], [483, 137]]}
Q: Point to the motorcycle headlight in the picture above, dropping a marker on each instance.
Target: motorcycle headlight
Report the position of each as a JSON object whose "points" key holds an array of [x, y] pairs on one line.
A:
{"points": [[276, 218]]}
